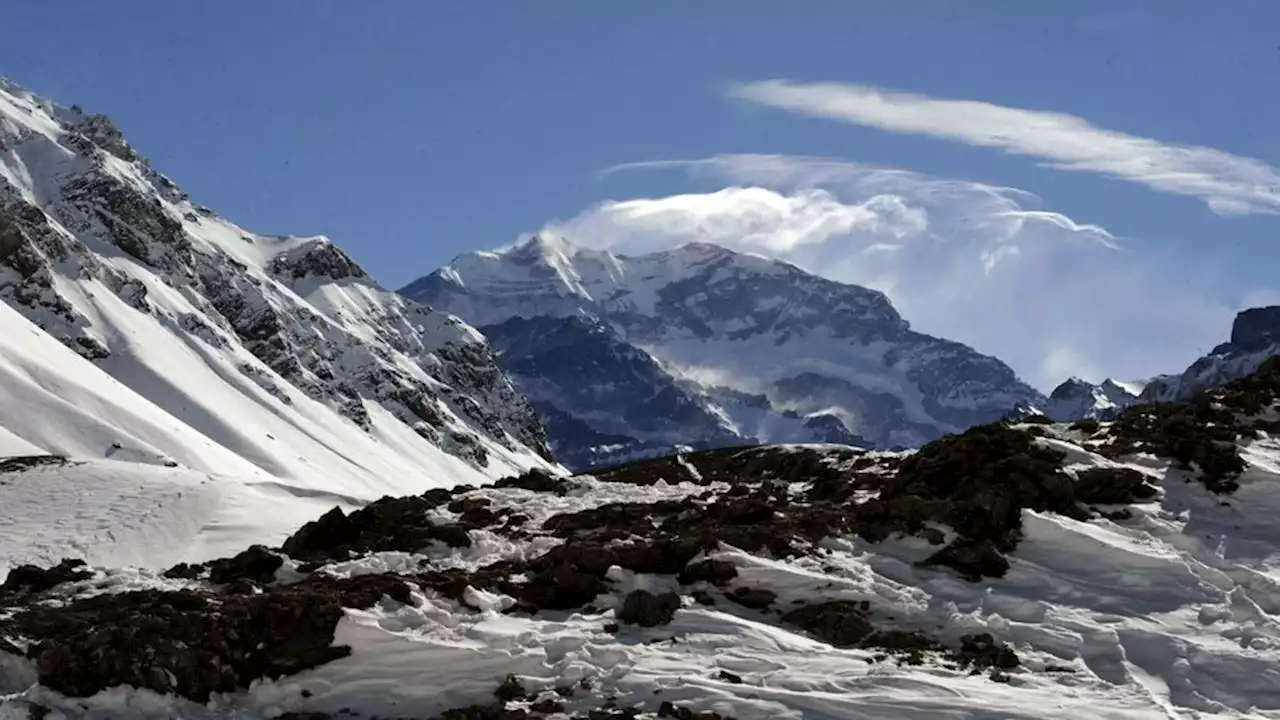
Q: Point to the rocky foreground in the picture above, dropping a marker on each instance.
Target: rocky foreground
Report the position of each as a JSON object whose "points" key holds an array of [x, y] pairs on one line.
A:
{"points": [[1037, 570]]}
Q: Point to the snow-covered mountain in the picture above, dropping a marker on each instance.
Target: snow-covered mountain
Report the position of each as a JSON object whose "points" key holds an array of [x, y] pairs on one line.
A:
{"points": [[136, 324], [703, 346], [1076, 399]]}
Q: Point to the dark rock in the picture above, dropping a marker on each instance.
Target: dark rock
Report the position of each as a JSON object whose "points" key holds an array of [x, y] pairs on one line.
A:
{"points": [[467, 504], [1112, 486], [933, 535], [645, 609], [729, 677], [982, 651], [1256, 328], [845, 623], [34, 579], [671, 710], [27, 462], [388, 524], [510, 689], [1088, 426], [547, 706], [536, 480], [191, 643], [978, 482], [842, 623], [716, 572], [1201, 432], [614, 520], [184, 571], [256, 564], [702, 597], [754, 598], [973, 559]]}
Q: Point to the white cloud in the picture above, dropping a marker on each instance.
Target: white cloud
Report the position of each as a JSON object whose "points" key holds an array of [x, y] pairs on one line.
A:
{"points": [[981, 264], [1228, 184]]}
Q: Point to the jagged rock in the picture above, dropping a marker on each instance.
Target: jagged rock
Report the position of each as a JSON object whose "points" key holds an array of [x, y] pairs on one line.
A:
{"points": [[645, 609]]}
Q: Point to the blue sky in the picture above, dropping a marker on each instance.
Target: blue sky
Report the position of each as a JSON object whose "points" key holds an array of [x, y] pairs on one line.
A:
{"points": [[410, 132]]}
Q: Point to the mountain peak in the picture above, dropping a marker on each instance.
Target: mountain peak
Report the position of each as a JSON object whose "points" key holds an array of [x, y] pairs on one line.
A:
{"points": [[542, 244], [716, 346]]}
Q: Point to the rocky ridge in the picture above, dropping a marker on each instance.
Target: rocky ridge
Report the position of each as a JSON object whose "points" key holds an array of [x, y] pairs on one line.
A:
{"points": [[95, 242]]}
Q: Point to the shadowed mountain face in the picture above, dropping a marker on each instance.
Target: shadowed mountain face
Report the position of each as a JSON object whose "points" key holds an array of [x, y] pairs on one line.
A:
{"points": [[702, 346]]}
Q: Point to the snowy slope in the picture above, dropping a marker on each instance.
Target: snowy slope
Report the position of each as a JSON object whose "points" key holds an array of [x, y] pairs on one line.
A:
{"points": [[138, 325], [1160, 605], [127, 514], [737, 348]]}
